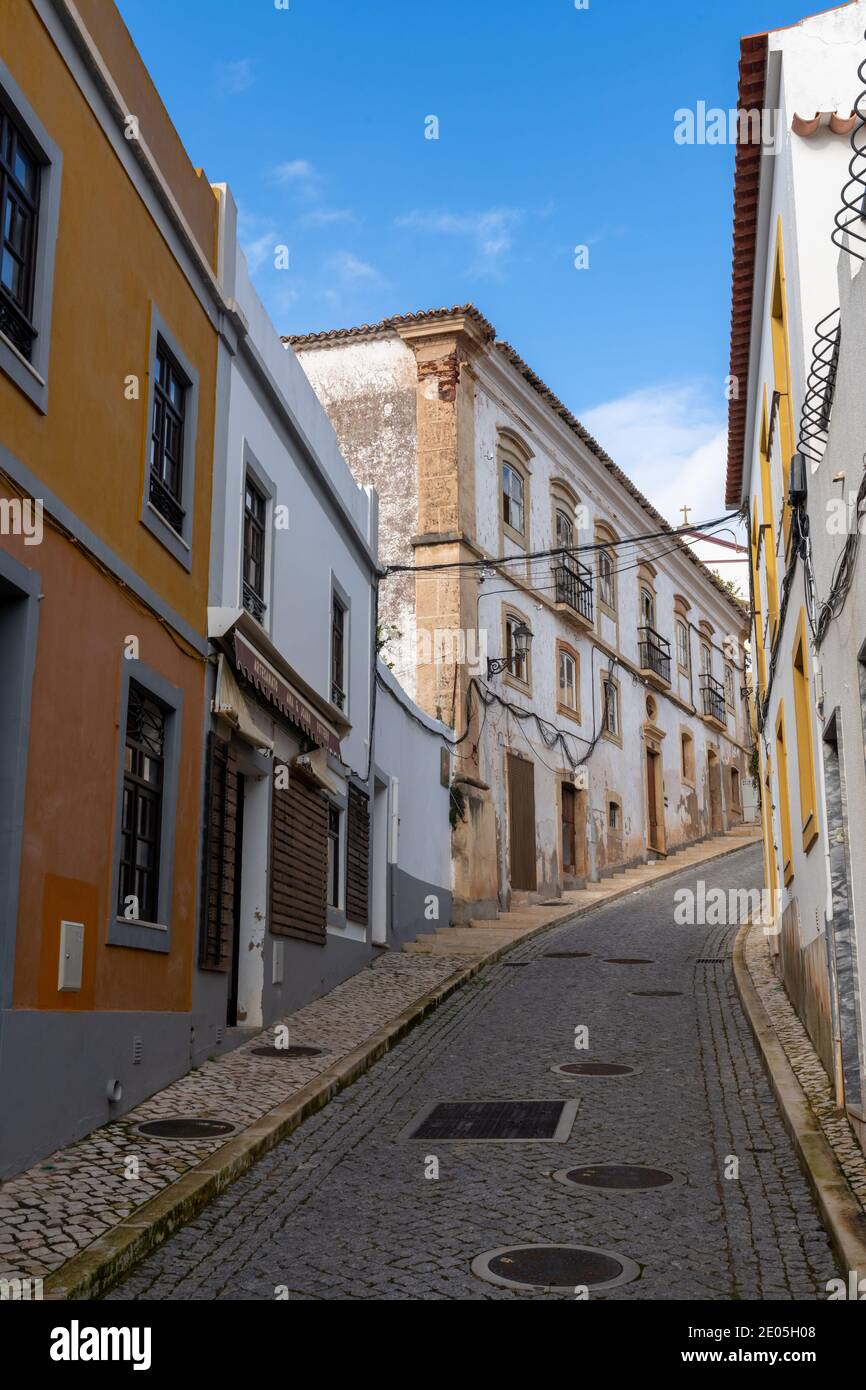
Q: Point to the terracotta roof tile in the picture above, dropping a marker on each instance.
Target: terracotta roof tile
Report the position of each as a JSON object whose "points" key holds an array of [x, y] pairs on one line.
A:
{"points": [[747, 176]]}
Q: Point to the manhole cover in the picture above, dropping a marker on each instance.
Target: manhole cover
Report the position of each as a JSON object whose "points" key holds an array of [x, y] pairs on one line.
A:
{"points": [[567, 955], [656, 993], [595, 1069], [628, 960], [298, 1051], [617, 1177], [554, 1267], [485, 1121], [186, 1127]]}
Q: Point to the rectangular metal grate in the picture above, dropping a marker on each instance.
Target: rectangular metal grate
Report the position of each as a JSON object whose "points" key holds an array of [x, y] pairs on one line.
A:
{"points": [[489, 1121]]}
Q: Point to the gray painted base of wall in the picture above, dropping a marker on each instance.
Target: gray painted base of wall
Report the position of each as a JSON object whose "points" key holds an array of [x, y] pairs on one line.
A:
{"points": [[409, 905], [55, 1069]]}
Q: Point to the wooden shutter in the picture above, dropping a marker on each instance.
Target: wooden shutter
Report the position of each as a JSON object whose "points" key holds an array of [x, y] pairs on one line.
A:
{"points": [[220, 857], [299, 862], [358, 857]]}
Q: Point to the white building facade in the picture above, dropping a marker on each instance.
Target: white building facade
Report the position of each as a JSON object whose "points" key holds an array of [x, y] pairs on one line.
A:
{"points": [[302, 880], [622, 733], [784, 345]]}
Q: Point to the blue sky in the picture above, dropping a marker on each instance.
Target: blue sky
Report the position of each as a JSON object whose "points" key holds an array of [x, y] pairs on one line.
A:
{"points": [[555, 130]]}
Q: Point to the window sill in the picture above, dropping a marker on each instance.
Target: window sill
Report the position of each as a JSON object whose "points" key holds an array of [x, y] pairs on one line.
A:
{"points": [[137, 935], [572, 714], [165, 533], [25, 376]]}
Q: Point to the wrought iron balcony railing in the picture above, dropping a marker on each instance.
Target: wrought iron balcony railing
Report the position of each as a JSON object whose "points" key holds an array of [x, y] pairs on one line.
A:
{"points": [[338, 696], [254, 603], [167, 506], [574, 587], [713, 699], [655, 653], [15, 325]]}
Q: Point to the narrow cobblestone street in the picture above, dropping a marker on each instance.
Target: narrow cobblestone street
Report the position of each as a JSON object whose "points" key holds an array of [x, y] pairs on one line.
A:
{"points": [[343, 1208]]}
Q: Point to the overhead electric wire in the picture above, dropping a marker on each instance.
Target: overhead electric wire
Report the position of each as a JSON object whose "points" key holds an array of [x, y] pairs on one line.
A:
{"points": [[526, 557]]}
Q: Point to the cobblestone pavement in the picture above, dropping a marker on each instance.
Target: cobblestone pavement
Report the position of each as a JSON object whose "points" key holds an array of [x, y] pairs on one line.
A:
{"points": [[343, 1209], [806, 1064]]}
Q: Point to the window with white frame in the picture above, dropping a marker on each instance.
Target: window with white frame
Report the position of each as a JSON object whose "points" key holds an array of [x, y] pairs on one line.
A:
{"points": [[682, 647], [518, 667], [567, 680], [606, 580], [513, 498], [729, 687], [611, 707]]}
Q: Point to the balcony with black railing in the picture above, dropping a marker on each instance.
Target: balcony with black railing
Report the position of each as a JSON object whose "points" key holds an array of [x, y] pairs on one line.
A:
{"points": [[573, 582], [15, 325], [168, 507], [655, 654], [713, 699], [254, 603]]}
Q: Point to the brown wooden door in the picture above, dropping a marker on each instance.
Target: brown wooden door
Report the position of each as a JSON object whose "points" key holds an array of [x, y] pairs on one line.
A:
{"points": [[569, 818], [652, 801], [521, 822]]}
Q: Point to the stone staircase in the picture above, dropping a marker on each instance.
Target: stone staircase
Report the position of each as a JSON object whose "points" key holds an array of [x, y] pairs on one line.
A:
{"points": [[481, 937]]}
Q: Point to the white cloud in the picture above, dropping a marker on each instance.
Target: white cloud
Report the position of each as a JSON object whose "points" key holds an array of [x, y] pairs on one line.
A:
{"points": [[671, 440], [235, 77], [258, 237], [300, 176], [349, 268], [489, 231]]}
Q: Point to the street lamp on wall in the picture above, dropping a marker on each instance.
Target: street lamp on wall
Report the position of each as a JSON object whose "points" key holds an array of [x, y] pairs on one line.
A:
{"points": [[521, 641]]}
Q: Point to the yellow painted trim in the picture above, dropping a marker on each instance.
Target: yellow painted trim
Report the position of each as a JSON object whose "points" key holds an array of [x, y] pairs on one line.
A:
{"points": [[758, 619], [782, 372], [769, 539], [784, 796], [805, 739]]}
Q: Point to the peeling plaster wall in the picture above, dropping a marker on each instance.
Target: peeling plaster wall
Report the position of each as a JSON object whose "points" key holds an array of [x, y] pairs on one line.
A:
{"points": [[369, 392]]}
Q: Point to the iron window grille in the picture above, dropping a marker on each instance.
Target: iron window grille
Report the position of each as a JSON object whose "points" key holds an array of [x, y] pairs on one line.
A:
{"points": [[334, 856], [141, 822], [338, 654], [574, 587], [655, 653], [19, 212], [166, 439], [255, 512], [713, 698]]}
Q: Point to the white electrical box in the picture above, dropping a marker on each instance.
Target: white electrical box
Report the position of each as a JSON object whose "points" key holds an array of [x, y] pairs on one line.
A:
{"points": [[71, 955], [279, 956]]}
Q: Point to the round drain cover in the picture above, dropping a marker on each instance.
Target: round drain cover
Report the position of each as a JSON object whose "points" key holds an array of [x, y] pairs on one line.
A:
{"points": [[186, 1127], [629, 960], [554, 1267], [656, 993], [594, 1069], [617, 1177], [567, 955], [298, 1051]]}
